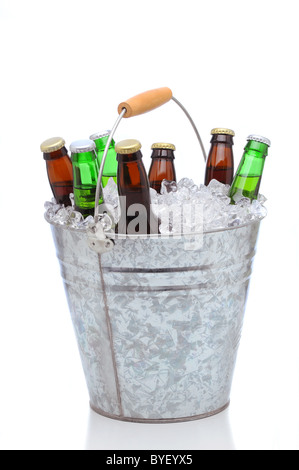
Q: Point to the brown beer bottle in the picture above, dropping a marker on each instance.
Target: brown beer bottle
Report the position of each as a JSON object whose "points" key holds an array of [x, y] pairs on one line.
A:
{"points": [[162, 167], [134, 190], [220, 163], [59, 169]]}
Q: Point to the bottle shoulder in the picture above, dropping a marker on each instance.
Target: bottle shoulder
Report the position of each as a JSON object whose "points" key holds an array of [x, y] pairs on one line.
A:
{"points": [[57, 155], [84, 157], [254, 153], [220, 154], [61, 162]]}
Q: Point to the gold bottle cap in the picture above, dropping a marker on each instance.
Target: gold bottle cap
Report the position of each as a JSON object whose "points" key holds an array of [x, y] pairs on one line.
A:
{"points": [[52, 145], [162, 145], [223, 131], [128, 146]]}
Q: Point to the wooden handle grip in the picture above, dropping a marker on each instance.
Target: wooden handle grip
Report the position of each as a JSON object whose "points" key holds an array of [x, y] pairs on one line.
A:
{"points": [[145, 102]]}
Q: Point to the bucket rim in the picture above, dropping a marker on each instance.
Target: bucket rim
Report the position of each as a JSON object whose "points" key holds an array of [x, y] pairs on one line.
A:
{"points": [[119, 236]]}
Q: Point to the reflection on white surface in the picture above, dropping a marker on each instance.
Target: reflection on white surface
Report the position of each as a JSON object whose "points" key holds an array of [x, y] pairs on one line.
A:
{"points": [[208, 434]]}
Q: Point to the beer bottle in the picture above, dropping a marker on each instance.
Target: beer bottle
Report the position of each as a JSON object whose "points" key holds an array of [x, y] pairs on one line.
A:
{"points": [[133, 189], [85, 170], [249, 174], [110, 167], [59, 169], [220, 163], [162, 167]]}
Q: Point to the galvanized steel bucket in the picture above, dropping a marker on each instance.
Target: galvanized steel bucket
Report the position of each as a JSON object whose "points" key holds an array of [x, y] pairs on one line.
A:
{"points": [[158, 325]]}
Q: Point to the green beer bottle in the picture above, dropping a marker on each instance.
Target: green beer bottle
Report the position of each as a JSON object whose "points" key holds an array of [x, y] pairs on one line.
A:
{"points": [[247, 180], [110, 167], [85, 171]]}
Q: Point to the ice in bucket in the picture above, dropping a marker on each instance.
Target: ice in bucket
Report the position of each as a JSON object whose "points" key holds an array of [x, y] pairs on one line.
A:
{"points": [[213, 202]]}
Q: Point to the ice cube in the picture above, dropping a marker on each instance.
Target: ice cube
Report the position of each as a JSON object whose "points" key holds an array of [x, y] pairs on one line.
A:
{"points": [[244, 202], [205, 197], [86, 222], [182, 194], [154, 196], [185, 183], [194, 189], [257, 209], [224, 200], [75, 218], [110, 193], [168, 187], [61, 217], [262, 199], [217, 187], [52, 208], [106, 222], [48, 205]]}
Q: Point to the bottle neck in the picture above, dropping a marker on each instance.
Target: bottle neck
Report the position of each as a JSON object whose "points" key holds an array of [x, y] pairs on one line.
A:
{"points": [[129, 158], [163, 153], [249, 174], [84, 157], [55, 155], [222, 139], [101, 143], [257, 149]]}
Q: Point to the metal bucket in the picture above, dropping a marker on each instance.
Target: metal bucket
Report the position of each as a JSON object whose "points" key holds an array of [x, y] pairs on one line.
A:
{"points": [[158, 326]]}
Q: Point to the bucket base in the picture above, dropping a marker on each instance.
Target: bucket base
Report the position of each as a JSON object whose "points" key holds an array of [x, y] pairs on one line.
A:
{"points": [[159, 421]]}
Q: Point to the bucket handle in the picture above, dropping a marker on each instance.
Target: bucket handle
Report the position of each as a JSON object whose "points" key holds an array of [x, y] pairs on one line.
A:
{"points": [[139, 104]]}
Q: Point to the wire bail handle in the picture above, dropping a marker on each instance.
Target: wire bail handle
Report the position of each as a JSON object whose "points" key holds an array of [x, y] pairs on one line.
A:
{"points": [[139, 104], [135, 106]]}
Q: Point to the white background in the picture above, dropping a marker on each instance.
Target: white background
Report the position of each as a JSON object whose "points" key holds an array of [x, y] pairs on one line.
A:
{"points": [[65, 66]]}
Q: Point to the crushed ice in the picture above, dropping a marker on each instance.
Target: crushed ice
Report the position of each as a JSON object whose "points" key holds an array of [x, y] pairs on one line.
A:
{"points": [[176, 207]]}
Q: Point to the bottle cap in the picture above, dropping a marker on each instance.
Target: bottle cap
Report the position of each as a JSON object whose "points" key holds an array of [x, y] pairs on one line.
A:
{"points": [[100, 135], [162, 145], [82, 146], [259, 138], [223, 131], [128, 146], [52, 145]]}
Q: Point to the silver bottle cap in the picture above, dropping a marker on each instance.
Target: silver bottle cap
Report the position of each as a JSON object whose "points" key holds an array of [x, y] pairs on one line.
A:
{"points": [[81, 146], [100, 135], [259, 138]]}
